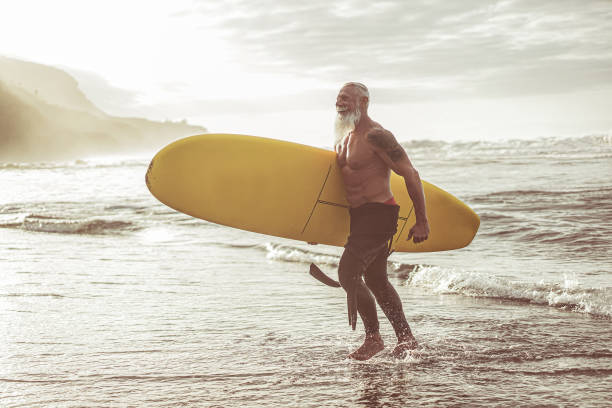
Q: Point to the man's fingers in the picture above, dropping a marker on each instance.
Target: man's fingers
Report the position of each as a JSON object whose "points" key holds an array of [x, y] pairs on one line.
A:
{"points": [[419, 232], [417, 239]]}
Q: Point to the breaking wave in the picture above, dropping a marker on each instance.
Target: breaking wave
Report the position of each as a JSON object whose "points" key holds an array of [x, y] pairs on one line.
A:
{"points": [[288, 253], [41, 223], [567, 295]]}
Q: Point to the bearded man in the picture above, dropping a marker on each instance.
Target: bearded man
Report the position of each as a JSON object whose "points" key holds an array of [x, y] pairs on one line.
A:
{"points": [[366, 154]]}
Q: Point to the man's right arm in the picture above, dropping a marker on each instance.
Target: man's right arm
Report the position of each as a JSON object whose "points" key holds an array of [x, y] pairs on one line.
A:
{"points": [[392, 153]]}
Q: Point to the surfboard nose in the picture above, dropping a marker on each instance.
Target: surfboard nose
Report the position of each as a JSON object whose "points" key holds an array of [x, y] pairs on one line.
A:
{"points": [[149, 175]]}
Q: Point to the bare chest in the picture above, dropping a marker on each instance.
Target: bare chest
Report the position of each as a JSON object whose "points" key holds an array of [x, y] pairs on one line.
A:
{"points": [[359, 154]]}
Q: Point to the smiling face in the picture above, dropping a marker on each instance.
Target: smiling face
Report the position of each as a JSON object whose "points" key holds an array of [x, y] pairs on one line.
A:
{"points": [[353, 96], [348, 112], [347, 100]]}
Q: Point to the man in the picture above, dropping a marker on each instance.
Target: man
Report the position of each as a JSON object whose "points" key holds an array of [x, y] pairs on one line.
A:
{"points": [[366, 154]]}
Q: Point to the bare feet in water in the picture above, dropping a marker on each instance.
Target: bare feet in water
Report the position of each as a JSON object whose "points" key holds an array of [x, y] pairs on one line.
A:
{"points": [[372, 344], [404, 346]]}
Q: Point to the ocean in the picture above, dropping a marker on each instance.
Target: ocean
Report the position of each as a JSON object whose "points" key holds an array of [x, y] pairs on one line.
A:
{"points": [[108, 298]]}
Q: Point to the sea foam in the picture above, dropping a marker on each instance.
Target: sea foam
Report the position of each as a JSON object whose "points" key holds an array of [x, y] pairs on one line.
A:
{"points": [[567, 294], [40, 223]]}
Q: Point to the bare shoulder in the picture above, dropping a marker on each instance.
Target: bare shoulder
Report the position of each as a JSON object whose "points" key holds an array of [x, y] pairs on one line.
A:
{"points": [[385, 142]]}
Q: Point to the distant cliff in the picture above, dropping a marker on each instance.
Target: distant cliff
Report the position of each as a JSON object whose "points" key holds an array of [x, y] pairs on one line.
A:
{"points": [[45, 116]]}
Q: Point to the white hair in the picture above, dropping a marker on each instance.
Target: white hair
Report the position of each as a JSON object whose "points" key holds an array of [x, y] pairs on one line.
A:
{"points": [[361, 88]]}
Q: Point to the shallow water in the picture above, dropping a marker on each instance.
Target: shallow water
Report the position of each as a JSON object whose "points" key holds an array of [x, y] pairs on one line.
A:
{"points": [[109, 298]]}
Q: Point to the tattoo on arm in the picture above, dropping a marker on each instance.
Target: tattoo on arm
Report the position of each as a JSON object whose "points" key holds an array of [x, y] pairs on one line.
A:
{"points": [[384, 140]]}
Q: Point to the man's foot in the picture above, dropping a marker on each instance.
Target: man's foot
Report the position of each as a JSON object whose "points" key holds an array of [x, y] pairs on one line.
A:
{"points": [[404, 346], [372, 344]]}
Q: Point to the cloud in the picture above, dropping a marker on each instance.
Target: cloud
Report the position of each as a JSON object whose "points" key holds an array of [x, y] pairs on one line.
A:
{"points": [[423, 49]]}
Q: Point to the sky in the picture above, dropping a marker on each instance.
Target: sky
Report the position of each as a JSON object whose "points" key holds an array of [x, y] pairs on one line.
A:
{"points": [[447, 70]]}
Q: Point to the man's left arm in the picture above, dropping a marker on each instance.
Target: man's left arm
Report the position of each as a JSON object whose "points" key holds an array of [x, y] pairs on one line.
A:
{"points": [[387, 147]]}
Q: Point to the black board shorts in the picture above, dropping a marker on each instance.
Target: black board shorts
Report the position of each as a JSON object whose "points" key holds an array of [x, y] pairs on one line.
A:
{"points": [[373, 226]]}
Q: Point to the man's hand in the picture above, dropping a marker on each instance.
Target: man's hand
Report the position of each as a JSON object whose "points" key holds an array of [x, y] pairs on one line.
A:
{"points": [[419, 232]]}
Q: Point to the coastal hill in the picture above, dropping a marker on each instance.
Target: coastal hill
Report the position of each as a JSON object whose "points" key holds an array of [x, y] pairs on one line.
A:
{"points": [[45, 116]]}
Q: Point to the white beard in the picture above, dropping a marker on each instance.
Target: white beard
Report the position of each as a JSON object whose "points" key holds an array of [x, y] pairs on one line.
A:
{"points": [[345, 124]]}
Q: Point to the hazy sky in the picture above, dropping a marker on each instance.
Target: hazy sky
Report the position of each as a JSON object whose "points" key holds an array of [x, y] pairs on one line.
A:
{"points": [[435, 69]]}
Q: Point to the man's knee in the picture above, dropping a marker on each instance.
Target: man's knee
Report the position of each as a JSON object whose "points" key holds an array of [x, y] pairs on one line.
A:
{"points": [[376, 283]]}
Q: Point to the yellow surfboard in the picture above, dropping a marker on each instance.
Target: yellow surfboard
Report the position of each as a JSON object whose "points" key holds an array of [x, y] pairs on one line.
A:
{"points": [[287, 190]]}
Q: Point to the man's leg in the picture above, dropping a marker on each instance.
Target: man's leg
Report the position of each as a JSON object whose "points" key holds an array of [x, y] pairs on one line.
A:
{"points": [[349, 274], [389, 301]]}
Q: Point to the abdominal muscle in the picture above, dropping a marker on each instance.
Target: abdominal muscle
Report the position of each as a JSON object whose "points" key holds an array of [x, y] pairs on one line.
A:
{"points": [[365, 176]]}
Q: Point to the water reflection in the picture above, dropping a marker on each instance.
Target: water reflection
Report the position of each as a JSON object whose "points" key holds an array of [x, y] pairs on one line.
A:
{"points": [[383, 384]]}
